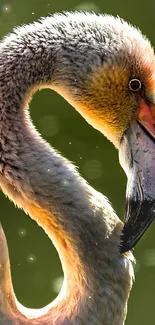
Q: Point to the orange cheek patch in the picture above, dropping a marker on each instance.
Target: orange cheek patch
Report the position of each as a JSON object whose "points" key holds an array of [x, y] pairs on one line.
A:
{"points": [[106, 88], [104, 101], [107, 100]]}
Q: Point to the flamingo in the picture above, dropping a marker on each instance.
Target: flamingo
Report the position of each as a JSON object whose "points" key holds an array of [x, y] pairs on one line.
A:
{"points": [[104, 67]]}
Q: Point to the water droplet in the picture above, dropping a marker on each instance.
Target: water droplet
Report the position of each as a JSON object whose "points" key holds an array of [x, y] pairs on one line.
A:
{"points": [[6, 8], [65, 183], [31, 258], [22, 232]]}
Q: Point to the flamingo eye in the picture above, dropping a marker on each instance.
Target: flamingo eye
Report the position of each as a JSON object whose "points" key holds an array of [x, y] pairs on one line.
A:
{"points": [[135, 84]]}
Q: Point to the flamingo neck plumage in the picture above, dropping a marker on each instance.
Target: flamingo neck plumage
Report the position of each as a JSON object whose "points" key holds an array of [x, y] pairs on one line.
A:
{"points": [[79, 220]]}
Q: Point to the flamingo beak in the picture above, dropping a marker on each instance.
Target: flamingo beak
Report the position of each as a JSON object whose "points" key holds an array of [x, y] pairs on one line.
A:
{"points": [[137, 157]]}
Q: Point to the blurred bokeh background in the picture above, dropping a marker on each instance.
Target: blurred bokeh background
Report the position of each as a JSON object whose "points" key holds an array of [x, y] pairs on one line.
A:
{"points": [[36, 269]]}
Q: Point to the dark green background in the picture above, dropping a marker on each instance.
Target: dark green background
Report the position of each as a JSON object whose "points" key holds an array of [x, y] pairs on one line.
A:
{"points": [[36, 268]]}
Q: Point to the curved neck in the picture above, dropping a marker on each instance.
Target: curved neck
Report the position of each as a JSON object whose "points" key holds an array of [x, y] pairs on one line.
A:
{"points": [[79, 220]]}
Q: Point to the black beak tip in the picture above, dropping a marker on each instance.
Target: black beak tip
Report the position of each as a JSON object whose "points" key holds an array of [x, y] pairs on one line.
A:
{"points": [[136, 224]]}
